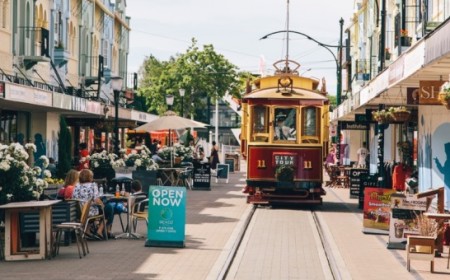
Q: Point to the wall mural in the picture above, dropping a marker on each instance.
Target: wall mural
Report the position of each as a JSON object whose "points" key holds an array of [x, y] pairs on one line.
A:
{"points": [[434, 150]]}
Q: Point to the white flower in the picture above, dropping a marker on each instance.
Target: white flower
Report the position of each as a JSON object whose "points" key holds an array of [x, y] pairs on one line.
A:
{"points": [[47, 173], [31, 146], [9, 196], [4, 165], [138, 162], [45, 161]]}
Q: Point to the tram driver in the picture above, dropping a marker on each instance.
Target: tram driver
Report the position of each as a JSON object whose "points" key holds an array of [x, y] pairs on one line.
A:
{"points": [[282, 132]]}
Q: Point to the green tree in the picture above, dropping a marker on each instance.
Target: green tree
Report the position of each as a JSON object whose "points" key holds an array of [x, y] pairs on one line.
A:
{"points": [[64, 148], [203, 73]]}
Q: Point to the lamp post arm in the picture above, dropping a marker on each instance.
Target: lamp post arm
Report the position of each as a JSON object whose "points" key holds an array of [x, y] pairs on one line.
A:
{"points": [[299, 33], [326, 46]]}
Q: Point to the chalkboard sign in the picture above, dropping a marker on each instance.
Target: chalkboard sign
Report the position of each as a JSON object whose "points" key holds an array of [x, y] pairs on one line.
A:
{"points": [[201, 176], [230, 162], [222, 172], [355, 180]]}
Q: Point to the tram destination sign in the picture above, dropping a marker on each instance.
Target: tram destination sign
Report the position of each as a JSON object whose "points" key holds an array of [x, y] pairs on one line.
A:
{"points": [[284, 159]]}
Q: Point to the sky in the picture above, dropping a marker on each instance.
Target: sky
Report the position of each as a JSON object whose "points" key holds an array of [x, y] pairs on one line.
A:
{"points": [[163, 28]]}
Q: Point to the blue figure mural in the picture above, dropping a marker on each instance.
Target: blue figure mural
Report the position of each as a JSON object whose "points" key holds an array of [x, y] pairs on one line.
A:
{"points": [[445, 169]]}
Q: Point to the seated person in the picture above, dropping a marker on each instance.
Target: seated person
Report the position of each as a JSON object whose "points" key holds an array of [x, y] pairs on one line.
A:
{"points": [[69, 185], [156, 158], [121, 207]]}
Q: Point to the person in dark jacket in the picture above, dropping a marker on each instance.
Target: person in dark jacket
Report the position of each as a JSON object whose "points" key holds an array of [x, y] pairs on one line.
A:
{"points": [[214, 157]]}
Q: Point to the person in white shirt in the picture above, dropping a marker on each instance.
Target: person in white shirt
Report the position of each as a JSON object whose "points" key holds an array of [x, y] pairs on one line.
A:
{"points": [[362, 154]]}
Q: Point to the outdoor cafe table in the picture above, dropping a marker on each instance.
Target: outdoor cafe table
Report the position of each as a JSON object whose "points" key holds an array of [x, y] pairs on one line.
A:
{"points": [[170, 176], [130, 203], [12, 229]]}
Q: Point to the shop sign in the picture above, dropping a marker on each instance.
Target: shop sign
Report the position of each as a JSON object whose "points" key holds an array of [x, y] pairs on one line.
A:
{"points": [[429, 92], [28, 95], [167, 221], [361, 118], [62, 101], [353, 125], [284, 159]]}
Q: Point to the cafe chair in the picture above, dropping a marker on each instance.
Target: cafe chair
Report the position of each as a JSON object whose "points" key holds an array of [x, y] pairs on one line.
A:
{"points": [[78, 228], [139, 211], [98, 218]]}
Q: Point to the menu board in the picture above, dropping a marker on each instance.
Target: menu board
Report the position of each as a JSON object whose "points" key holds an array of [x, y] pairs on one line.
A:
{"points": [[355, 180], [222, 171], [377, 210], [405, 209], [201, 176]]}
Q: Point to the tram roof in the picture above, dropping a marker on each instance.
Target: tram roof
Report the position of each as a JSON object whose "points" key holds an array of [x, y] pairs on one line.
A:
{"points": [[274, 93]]}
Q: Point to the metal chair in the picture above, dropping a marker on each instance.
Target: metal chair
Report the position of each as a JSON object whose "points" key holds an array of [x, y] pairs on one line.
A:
{"points": [[138, 210], [78, 228]]}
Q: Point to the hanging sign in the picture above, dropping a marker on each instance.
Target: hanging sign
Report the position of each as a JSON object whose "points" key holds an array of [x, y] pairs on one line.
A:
{"points": [[429, 92]]}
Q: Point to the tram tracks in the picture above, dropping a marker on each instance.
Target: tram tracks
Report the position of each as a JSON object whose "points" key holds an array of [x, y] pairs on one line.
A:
{"points": [[330, 260]]}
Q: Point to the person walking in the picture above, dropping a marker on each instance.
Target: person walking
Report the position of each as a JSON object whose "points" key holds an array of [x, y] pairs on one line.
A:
{"points": [[214, 157]]}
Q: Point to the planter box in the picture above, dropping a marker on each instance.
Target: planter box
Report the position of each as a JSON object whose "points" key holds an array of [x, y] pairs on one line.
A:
{"points": [[405, 41], [420, 248]]}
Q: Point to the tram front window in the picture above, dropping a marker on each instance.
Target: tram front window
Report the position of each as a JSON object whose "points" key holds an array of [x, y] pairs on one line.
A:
{"points": [[285, 124], [310, 131], [260, 128]]}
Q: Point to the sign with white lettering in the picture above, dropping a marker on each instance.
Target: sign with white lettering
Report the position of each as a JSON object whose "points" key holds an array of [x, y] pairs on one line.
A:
{"points": [[201, 176], [354, 125], [284, 159], [167, 222], [429, 92]]}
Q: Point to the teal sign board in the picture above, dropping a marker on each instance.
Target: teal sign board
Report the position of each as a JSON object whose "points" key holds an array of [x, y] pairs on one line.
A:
{"points": [[167, 217]]}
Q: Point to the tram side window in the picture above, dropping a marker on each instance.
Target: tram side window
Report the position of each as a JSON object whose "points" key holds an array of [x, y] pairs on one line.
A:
{"points": [[310, 125], [260, 128], [285, 127]]}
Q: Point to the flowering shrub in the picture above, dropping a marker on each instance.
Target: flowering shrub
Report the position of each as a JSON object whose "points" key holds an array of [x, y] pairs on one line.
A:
{"points": [[404, 32], [445, 92], [102, 160], [398, 109], [178, 150], [18, 181], [381, 116], [140, 160]]}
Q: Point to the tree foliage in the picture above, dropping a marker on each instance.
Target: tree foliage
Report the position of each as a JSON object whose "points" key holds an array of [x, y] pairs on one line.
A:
{"points": [[202, 73]]}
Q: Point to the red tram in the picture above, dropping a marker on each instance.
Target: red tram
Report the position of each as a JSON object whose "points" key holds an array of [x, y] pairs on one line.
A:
{"points": [[284, 137]]}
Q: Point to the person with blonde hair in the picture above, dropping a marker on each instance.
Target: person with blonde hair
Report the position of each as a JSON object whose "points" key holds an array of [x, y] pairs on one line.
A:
{"points": [[69, 185]]}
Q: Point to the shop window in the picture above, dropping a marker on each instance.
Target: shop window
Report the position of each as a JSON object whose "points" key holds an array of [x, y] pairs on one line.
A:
{"points": [[310, 125], [285, 125], [260, 121]]}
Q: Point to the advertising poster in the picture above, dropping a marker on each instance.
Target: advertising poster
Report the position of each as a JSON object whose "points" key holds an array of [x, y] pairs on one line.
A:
{"points": [[405, 209], [167, 221], [377, 210]]}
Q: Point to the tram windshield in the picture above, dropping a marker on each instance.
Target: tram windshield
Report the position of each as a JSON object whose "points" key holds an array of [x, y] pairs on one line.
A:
{"points": [[285, 127], [310, 125]]}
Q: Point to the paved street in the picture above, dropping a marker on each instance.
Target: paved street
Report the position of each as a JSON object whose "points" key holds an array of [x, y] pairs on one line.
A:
{"points": [[214, 219]]}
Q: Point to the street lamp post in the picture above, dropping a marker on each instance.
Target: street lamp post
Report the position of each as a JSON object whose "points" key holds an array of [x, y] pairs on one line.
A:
{"points": [[338, 66], [182, 91], [169, 100], [116, 84]]}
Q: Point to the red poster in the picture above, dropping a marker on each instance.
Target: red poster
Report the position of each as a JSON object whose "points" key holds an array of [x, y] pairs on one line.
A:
{"points": [[377, 210]]}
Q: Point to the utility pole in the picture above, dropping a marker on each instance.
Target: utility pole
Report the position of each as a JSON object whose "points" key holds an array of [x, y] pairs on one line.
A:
{"points": [[339, 89]]}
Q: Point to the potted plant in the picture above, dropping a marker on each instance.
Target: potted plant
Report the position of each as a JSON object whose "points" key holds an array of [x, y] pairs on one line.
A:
{"points": [[422, 246], [387, 53], [382, 116], [405, 40], [444, 95], [399, 114]]}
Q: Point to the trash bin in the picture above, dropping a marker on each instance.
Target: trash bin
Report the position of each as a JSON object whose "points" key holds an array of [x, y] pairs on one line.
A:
{"points": [[121, 181]]}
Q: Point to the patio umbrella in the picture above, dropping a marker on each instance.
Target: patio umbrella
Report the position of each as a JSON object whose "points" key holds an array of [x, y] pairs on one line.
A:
{"points": [[170, 121]]}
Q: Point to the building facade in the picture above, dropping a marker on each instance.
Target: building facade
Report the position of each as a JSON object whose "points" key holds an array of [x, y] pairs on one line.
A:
{"points": [[57, 58], [397, 53]]}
